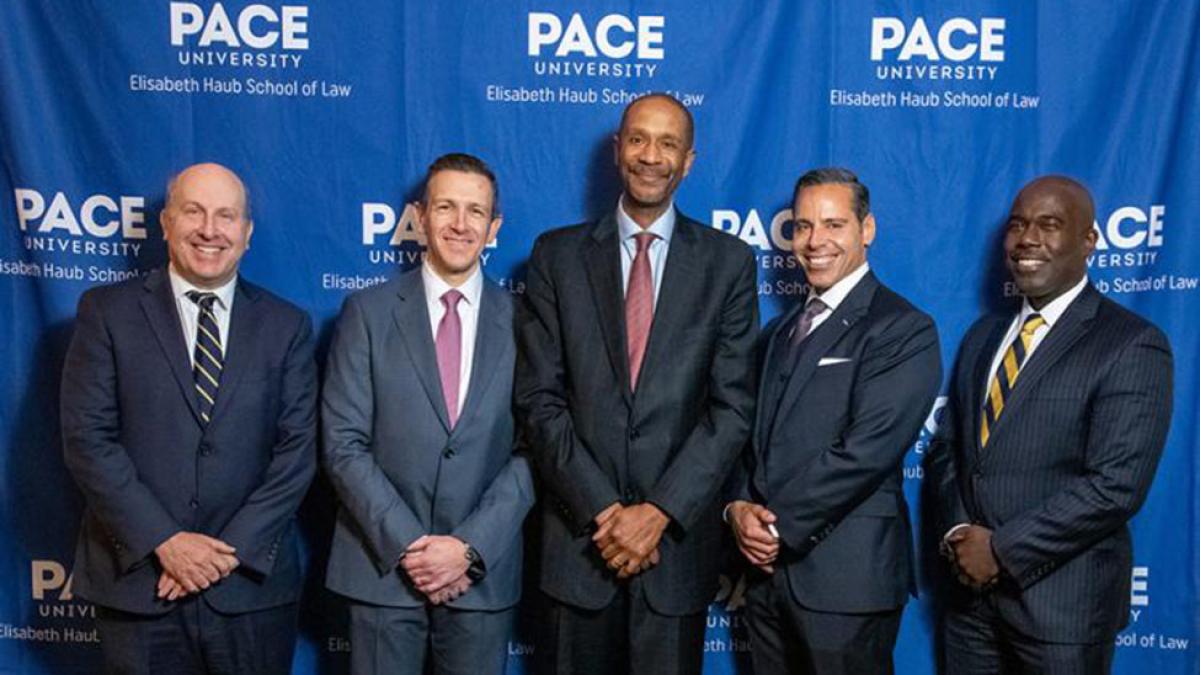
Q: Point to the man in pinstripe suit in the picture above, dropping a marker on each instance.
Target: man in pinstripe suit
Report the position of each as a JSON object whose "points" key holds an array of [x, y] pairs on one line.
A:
{"points": [[1056, 422]]}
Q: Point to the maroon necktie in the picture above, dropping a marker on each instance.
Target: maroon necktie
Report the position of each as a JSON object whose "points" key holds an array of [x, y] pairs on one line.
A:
{"points": [[639, 306], [804, 322], [449, 352]]}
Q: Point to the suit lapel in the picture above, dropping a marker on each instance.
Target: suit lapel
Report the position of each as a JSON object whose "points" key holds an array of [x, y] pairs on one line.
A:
{"points": [[602, 260], [676, 297], [158, 304], [490, 339], [1070, 327], [244, 333], [411, 317], [820, 341], [981, 377], [774, 341]]}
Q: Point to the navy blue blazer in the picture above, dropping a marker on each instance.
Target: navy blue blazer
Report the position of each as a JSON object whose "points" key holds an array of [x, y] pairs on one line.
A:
{"points": [[674, 441], [829, 445], [1068, 463], [398, 469], [147, 468]]}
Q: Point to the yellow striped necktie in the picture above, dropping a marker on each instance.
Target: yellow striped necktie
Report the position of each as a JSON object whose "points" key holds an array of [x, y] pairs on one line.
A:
{"points": [[1006, 375], [208, 358]]}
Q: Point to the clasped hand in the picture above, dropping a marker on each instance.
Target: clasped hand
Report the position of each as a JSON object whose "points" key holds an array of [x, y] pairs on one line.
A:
{"points": [[437, 566], [750, 523], [628, 537], [192, 562], [969, 550]]}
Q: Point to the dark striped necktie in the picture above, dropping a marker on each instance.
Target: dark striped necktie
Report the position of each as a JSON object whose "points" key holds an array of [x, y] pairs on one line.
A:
{"points": [[1006, 375], [209, 359]]}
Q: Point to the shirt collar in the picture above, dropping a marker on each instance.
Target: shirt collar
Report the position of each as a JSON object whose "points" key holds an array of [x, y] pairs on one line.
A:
{"points": [[663, 226], [181, 287], [436, 287], [1054, 309], [835, 294]]}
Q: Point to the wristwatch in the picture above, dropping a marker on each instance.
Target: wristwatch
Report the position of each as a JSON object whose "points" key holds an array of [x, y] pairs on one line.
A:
{"points": [[475, 570]]}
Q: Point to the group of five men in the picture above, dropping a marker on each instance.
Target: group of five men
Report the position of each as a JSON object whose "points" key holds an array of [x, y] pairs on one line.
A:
{"points": [[633, 381]]}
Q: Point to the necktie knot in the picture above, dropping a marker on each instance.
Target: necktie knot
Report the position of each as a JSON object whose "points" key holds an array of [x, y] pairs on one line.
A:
{"points": [[450, 299], [643, 241], [203, 299], [1032, 323], [814, 308]]}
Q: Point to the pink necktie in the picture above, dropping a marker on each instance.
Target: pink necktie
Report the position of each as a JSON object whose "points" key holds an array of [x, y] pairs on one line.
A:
{"points": [[449, 352], [639, 306]]}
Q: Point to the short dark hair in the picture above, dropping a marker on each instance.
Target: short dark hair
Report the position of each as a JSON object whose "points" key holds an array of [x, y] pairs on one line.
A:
{"points": [[461, 161], [689, 127], [836, 175]]}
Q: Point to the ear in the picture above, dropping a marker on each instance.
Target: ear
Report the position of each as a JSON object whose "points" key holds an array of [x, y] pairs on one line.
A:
{"points": [[249, 232], [494, 228], [165, 220], [868, 229], [688, 160], [617, 148], [422, 213], [1089, 240]]}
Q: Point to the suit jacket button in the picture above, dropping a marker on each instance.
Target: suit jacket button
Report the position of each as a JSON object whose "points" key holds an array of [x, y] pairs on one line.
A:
{"points": [[194, 503], [977, 474], [205, 449], [633, 434], [448, 453]]}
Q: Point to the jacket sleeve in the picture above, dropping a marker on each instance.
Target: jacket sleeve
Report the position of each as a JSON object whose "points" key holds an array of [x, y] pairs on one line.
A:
{"points": [[347, 417], [135, 519], [1129, 417], [262, 520], [540, 398]]}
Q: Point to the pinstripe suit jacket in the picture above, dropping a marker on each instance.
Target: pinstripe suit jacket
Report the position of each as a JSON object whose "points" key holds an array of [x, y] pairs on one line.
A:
{"points": [[1068, 463]]}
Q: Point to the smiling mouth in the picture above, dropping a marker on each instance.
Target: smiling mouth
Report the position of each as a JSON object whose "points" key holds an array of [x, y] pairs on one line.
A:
{"points": [[208, 250], [820, 262], [1028, 264]]}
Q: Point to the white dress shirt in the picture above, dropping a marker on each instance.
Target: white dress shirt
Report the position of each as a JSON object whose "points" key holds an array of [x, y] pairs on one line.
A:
{"points": [[663, 226], [835, 294], [189, 312], [468, 316]]}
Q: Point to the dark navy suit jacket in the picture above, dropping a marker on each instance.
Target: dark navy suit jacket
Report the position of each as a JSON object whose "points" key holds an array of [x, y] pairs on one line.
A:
{"points": [[674, 441], [1066, 466], [829, 445], [147, 468], [399, 470]]}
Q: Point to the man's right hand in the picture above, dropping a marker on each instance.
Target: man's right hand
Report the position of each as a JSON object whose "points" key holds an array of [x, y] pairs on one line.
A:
{"points": [[749, 522], [195, 561]]}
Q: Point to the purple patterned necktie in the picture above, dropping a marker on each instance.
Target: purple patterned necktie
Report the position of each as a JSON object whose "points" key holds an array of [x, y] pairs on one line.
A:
{"points": [[805, 320], [449, 352], [639, 306]]}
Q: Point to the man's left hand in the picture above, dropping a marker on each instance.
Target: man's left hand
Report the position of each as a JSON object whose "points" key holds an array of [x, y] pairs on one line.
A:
{"points": [[974, 561], [434, 561], [451, 591], [631, 535]]}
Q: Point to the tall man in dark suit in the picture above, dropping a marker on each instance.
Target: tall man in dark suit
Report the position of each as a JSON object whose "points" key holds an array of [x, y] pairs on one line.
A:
{"points": [[848, 377], [419, 444], [189, 423], [635, 387], [1057, 417]]}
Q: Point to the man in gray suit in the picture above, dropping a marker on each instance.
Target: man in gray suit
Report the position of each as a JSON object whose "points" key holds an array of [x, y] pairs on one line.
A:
{"points": [[1057, 418], [419, 445]]}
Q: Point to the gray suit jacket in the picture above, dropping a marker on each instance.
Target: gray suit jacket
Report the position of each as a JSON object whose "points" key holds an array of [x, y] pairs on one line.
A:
{"points": [[673, 442], [1067, 464], [829, 445], [398, 469]]}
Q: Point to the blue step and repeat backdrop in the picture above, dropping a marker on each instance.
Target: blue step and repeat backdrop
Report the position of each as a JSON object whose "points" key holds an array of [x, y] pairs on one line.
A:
{"points": [[332, 110]]}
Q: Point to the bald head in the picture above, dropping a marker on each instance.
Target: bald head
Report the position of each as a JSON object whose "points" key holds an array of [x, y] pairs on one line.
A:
{"points": [[207, 224], [1073, 195], [1048, 237], [208, 173]]}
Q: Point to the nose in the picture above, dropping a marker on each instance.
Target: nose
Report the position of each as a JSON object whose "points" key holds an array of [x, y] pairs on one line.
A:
{"points": [[816, 237], [650, 153], [1031, 235]]}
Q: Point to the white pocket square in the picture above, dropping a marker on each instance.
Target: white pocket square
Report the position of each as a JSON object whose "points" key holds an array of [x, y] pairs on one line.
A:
{"points": [[831, 361]]}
